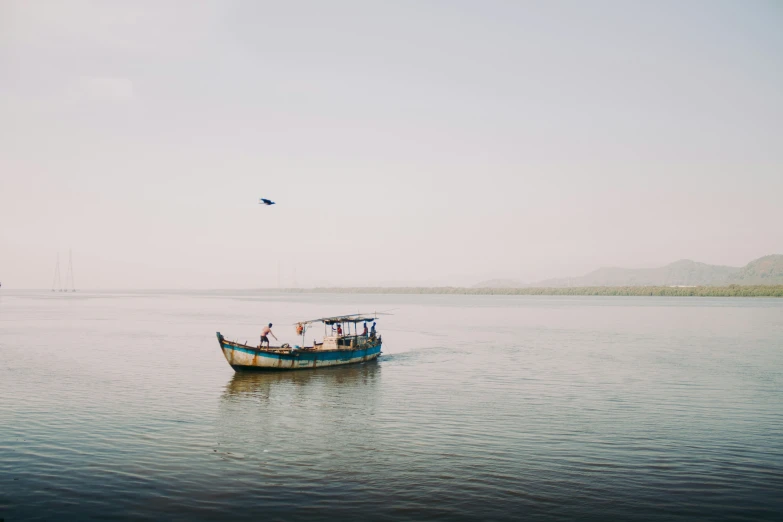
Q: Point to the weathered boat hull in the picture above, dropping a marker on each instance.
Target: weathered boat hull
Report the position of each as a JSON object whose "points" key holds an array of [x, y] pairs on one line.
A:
{"points": [[247, 358]]}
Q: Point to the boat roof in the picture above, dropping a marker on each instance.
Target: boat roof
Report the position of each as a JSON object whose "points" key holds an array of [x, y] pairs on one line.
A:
{"points": [[353, 318]]}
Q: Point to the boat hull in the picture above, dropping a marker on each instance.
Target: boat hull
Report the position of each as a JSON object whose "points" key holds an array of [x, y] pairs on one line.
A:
{"points": [[247, 358]]}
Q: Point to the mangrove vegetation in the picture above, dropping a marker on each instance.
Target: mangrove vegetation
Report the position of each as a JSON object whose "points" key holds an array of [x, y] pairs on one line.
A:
{"points": [[661, 291]]}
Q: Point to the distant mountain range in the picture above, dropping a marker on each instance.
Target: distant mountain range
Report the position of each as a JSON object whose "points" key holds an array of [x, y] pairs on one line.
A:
{"points": [[767, 270]]}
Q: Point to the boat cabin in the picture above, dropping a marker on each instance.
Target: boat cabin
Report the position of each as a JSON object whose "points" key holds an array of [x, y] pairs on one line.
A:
{"points": [[340, 332]]}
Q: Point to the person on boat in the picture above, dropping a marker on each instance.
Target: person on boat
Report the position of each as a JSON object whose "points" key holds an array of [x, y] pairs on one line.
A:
{"points": [[265, 332], [339, 330], [364, 332], [372, 330]]}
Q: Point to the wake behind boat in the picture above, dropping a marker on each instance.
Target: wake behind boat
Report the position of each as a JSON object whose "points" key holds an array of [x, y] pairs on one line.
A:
{"points": [[336, 348]]}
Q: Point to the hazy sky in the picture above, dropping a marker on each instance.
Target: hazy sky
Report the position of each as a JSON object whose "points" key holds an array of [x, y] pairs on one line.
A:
{"points": [[405, 142]]}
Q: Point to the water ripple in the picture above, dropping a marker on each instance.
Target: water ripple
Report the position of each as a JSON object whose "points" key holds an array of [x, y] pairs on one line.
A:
{"points": [[121, 406]]}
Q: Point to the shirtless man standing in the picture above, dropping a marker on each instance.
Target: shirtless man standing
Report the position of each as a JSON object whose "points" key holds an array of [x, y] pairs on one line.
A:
{"points": [[266, 331]]}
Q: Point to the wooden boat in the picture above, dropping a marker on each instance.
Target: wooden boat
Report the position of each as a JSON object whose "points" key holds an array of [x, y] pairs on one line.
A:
{"points": [[335, 349]]}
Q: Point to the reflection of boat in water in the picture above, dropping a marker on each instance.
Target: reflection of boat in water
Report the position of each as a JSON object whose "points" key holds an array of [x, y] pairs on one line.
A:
{"points": [[263, 383], [335, 350]]}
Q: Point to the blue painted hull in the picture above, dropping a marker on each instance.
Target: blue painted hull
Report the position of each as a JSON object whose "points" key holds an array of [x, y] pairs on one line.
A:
{"points": [[248, 358]]}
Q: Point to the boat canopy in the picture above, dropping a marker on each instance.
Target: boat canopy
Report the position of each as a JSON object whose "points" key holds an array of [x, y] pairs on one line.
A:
{"points": [[354, 318]]}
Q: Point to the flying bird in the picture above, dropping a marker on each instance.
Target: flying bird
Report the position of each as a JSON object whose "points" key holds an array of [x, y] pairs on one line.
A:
{"points": [[266, 202]]}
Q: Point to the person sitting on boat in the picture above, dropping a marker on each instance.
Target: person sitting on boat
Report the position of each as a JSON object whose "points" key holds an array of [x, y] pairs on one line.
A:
{"points": [[266, 331], [364, 332], [339, 330], [372, 330]]}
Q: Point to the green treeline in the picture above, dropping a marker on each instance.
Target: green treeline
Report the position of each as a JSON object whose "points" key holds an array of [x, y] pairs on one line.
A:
{"points": [[696, 291]]}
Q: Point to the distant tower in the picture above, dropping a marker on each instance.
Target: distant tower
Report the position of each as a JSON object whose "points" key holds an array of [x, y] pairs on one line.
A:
{"points": [[70, 272], [56, 283]]}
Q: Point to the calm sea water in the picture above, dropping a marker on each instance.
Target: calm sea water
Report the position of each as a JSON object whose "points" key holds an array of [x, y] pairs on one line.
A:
{"points": [[481, 407]]}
